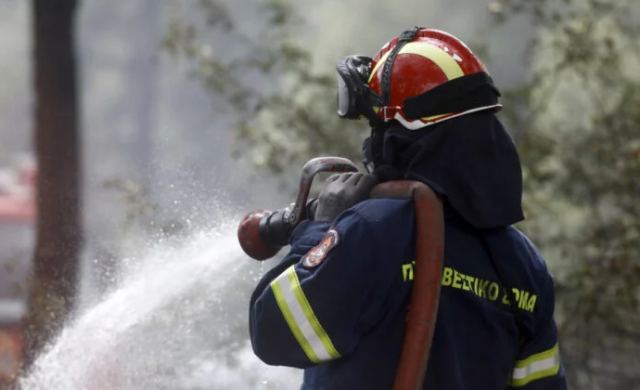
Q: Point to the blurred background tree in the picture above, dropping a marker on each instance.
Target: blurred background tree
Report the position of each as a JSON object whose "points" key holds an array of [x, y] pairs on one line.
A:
{"points": [[53, 287], [578, 117], [284, 107], [575, 119]]}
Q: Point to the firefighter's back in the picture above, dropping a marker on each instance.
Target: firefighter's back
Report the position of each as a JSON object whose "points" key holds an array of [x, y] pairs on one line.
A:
{"points": [[480, 334]]}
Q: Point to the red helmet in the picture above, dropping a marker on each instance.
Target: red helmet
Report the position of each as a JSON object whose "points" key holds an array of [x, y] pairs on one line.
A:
{"points": [[425, 76]]}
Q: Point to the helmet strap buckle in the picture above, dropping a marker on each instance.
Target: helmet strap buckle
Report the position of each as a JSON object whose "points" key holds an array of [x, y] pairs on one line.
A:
{"points": [[389, 112]]}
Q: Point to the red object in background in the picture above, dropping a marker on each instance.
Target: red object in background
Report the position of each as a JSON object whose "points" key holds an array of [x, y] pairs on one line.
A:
{"points": [[17, 225], [14, 208], [17, 201], [11, 354]]}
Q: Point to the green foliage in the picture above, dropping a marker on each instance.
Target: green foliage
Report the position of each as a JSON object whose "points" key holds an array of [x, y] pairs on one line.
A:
{"points": [[578, 117], [284, 111]]}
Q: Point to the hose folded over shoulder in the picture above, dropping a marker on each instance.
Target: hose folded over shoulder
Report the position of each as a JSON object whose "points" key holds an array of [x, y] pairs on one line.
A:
{"points": [[425, 294]]}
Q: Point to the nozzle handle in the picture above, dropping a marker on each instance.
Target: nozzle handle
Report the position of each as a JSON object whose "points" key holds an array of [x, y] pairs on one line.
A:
{"points": [[310, 169], [262, 232]]}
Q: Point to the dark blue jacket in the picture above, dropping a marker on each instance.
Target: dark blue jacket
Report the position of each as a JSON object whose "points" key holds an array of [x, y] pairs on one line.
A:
{"points": [[336, 305]]}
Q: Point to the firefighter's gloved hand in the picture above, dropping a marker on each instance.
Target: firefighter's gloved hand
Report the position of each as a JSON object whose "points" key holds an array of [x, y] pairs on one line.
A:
{"points": [[342, 191]]}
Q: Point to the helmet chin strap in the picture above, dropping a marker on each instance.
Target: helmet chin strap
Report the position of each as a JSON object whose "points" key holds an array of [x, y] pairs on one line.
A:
{"points": [[375, 160], [403, 39], [378, 125]]}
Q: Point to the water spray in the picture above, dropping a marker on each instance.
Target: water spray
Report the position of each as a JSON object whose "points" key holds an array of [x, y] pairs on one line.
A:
{"points": [[263, 232]]}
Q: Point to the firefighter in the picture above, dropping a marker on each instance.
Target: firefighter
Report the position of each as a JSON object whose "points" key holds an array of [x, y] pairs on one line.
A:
{"points": [[337, 303]]}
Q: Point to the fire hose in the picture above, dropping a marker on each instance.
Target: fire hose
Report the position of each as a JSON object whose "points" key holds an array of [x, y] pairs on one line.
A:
{"points": [[262, 233], [425, 293]]}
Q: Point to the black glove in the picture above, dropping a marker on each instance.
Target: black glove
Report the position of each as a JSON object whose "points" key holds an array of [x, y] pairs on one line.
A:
{"points": [[342, 191]]}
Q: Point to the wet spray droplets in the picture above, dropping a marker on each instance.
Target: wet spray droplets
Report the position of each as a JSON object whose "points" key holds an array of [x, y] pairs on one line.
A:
{"points": [[178, 320]]}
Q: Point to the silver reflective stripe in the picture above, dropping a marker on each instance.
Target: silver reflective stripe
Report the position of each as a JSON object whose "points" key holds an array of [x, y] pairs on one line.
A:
{"points": [[540, 365], [301, 319]]}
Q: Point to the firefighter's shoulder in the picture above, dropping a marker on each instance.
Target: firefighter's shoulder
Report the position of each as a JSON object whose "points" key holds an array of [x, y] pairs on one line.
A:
{"points": [[385, 213], [379, 228]]}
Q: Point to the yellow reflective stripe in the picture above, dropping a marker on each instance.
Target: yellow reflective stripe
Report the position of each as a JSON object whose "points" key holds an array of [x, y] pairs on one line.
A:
{"points": [[311, 317], [449, 66], [297, 333], [540, 365], [445, 62], [435, 117], [301, 319]]}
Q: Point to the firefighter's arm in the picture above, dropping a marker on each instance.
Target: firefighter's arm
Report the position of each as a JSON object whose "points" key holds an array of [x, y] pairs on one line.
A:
{"points": [[316, 304], [538, 365]]}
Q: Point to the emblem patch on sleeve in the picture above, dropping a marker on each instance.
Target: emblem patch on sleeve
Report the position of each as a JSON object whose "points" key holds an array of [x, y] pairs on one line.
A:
{"points": [[318, 253]]}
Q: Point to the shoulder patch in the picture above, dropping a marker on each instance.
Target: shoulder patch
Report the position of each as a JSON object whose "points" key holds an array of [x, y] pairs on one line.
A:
{"points": [[318, 253]]}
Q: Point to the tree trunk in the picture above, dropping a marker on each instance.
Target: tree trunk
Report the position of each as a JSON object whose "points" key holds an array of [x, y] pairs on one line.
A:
{"points": [[54, 279]]}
